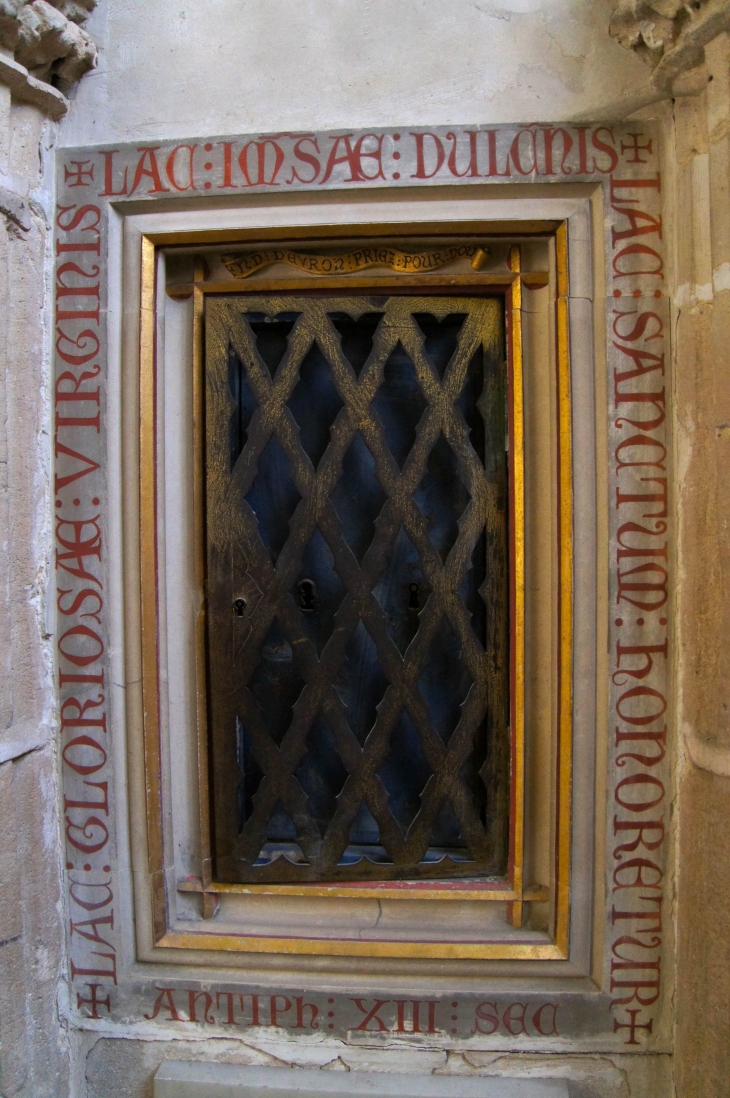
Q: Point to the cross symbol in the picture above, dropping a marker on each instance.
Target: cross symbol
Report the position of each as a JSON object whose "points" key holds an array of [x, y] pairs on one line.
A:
{"points": [[79, 174], [632, 1026], [93, 1001], [637, 149]]}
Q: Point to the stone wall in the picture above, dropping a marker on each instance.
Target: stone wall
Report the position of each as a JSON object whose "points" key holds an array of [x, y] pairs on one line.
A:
{"points": [[703, 500], [33, 1051], [490, 60]]}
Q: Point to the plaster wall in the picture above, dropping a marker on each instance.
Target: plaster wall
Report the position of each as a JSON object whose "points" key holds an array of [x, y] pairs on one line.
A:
{"points": [[173, 68]]}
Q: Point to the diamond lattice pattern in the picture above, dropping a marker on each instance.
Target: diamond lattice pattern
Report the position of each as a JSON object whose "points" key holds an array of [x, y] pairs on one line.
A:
{"points": [[357, 587]]}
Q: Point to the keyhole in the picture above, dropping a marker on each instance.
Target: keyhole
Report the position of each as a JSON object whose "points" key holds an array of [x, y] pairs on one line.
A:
{"points": [[239, 606], [307, 590], [413, 603]]}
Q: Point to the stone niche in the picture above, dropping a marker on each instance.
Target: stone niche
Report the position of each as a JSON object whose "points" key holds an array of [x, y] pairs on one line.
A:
{"points": [[562, 221]]}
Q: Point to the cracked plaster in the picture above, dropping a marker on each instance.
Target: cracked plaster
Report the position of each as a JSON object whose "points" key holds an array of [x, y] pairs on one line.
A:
{"points": [[319, 65]]}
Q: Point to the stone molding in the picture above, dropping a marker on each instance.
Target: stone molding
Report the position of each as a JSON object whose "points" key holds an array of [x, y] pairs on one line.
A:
{"points": [[44, 50], [670, 36], [49, 100]]}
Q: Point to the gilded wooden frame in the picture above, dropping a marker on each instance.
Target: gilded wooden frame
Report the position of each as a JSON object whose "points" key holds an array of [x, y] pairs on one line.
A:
{"points": [[516, 894]]}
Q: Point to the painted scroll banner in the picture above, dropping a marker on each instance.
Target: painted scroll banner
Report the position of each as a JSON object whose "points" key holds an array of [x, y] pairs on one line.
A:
{"points": [[241, 265]]}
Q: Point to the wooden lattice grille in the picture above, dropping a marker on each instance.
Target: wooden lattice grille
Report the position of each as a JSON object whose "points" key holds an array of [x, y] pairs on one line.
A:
{"points": [[357, 586]]}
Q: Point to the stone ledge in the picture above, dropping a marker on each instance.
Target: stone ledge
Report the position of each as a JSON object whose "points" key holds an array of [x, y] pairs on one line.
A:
{"points": [[177, 1079], [670, 36], [25, 87]]}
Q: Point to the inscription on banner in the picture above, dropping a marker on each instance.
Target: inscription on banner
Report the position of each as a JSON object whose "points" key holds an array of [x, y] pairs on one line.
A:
{"points": [[247, 263]]}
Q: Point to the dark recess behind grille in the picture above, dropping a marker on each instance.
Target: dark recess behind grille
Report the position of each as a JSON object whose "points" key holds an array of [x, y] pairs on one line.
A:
{"points": [[357, 505]]}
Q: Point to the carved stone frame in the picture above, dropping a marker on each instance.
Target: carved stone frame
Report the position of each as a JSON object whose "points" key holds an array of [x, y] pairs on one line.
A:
{"points": [[105, 225], [511, 283]]}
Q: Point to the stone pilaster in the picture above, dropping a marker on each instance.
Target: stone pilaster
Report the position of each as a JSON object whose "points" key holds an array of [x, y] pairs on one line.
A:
{"points": [[43, 49]]}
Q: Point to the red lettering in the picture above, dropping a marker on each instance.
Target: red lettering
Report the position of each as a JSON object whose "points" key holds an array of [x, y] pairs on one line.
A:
{"points": [[261, 149], [64, 679], [582, 150], [79, 599], [658, 588], [229, 996], [636, 528], [601, 146], [170, 168], [510, 1019], [651, 224], [549, 136], [632, 825], [640, 440], [645, 650], [639, 328], [514, 153], [372, 1015], [90, 246], [487, 1013], [87, 831], [659, 738], [81, 343], [471, 169], [103, 804], [309, 158], [646, 497], [61, 482], [93, 935], [81, 742], [537, 1020], [75, 221], [638, 249], [301, 1006], [89, 905], [640, 692], [638, 865], [276, 1010], [638, 994], [106, 973], [193, 997], [165, 1001], [655, 362], [639, 780], [632, 1026], [79, 659], [492, 149], [109, 191], [79, 721], [437, 151], [147, 168], [227, 166]]}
